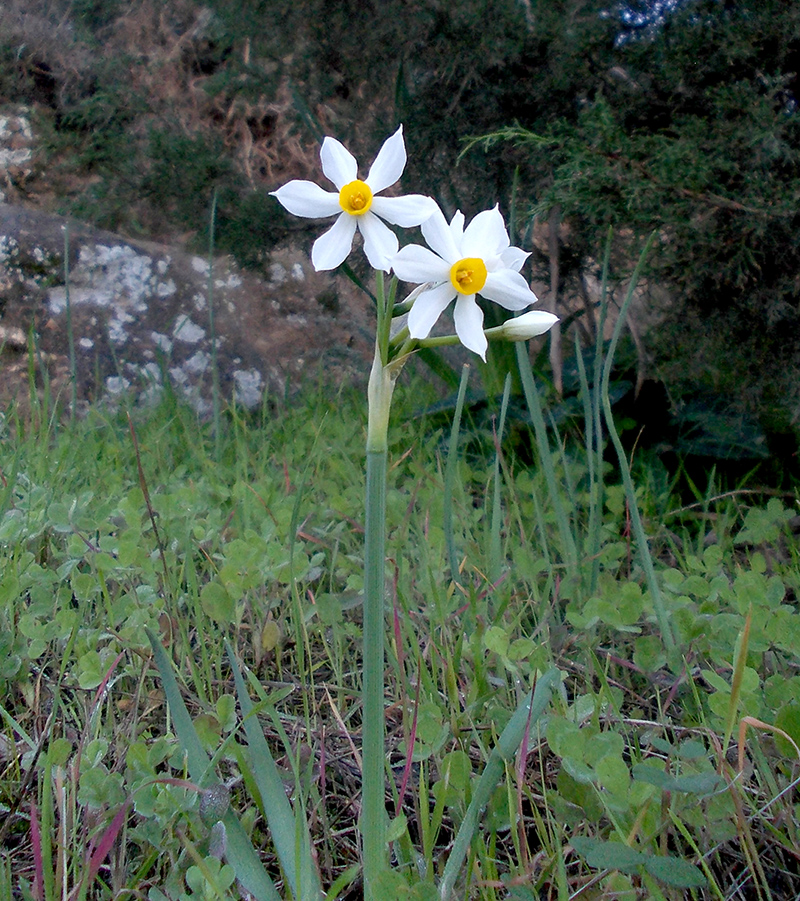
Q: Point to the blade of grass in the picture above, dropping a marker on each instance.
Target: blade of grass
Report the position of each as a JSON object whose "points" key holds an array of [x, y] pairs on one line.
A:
{"points": [[450, 477], [739, 663], [760, 724], [150, 511], [13, 724], [104, 846], [594, 473], [239, 851], [73, 366], [46, 822], [595, 450], [338, 887], [38, 888], [545, 457], [215, 399], [664, 624], [299, 869], [525, 716], [5, 880], [701, 860], [410, 742], [438, 366], [497, 509]]}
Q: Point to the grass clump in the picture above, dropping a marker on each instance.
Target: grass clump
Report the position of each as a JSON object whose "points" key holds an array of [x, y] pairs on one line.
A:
{"points": [[632, 787]]}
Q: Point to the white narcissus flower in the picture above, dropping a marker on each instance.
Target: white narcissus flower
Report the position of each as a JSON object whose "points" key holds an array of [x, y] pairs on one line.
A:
{"points": [[357, 204], [461, 263]]}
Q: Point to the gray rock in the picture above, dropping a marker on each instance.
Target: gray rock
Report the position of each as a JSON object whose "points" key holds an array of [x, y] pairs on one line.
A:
{"points": [[141, 317], [16, 146]]}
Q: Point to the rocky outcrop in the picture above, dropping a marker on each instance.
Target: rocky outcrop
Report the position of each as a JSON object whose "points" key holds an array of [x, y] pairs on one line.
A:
{"points": [[16, 146], [141, 317]]}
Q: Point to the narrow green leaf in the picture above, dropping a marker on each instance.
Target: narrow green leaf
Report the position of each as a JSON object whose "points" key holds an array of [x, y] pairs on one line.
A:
{"points": [[739, 667], [439, 366], [196, 757], [637, 527], [525, 717], [450, 477], [495, 544], [278, 811], [545, 456], [13, 724], [345, 879], [239, 851]]}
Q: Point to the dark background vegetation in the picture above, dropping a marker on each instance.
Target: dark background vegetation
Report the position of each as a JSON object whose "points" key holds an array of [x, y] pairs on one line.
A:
{"points": [[677, 117]]}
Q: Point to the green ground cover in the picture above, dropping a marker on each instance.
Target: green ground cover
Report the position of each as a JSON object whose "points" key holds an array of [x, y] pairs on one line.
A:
{"points": [[653, 774]]}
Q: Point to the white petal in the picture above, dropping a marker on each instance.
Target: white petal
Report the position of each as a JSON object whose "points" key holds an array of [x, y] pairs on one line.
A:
{"points": [[486, 235], [468, 317], [457, 227], [513, 258], [389, 163], [417, 264], [380, 243], [509, 289], [330, 249], [428, 307], [338, 164], [412, 209], [437, 233], [304, 198]]}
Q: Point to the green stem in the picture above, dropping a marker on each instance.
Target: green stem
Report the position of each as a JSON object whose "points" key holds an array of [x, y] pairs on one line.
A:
{"points": [[373, 813]]}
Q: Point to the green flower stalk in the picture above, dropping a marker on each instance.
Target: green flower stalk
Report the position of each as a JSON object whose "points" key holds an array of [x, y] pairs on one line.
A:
{"points": [[379, 397], [373, 813]]}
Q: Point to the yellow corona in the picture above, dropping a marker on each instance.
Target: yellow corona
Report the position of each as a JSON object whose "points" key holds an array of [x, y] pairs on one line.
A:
{"points": [[355, 198], [468, 276]]}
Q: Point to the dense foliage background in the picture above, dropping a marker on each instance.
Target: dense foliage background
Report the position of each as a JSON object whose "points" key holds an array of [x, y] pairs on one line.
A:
{"points": [[678, 116]]}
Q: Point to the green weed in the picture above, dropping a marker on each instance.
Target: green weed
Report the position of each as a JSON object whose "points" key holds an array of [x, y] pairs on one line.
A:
{"points": [[629, 786]]}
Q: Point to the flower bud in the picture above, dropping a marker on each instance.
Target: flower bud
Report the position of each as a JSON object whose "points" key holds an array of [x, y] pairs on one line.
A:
{"points": [[528, 325]]}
